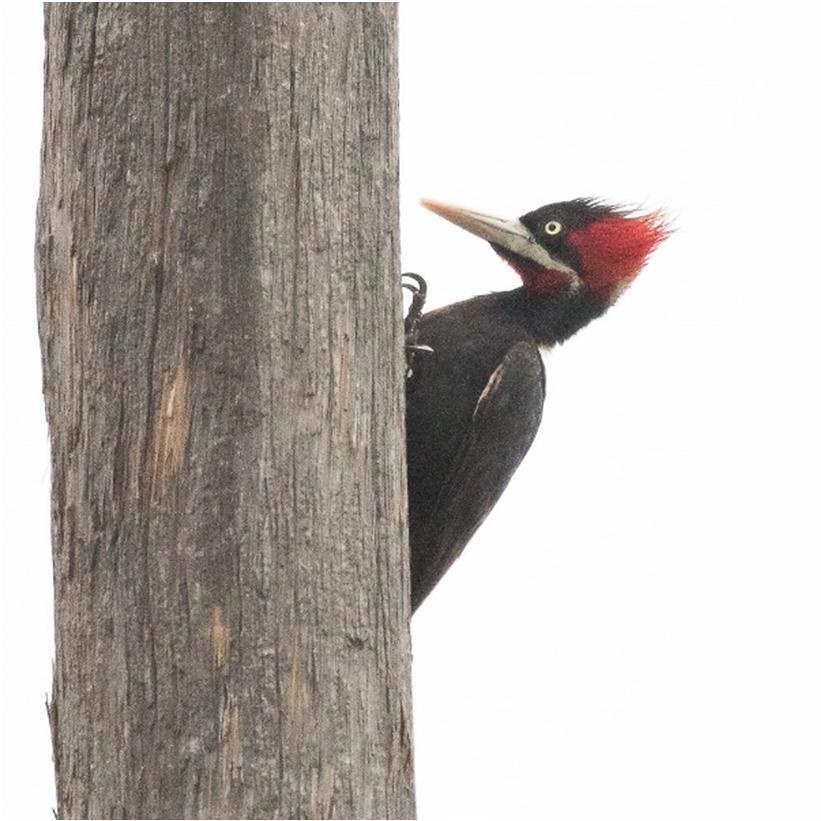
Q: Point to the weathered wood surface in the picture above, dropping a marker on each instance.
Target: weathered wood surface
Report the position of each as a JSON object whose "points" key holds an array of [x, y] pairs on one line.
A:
{"points": [[220, 316]]}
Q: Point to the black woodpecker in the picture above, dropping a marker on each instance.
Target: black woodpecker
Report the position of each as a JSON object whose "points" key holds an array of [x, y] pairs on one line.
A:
{"points": [[476, 382]]}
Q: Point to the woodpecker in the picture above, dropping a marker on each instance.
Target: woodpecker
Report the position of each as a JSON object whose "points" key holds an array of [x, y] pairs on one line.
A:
{"points": [[476, 381]]}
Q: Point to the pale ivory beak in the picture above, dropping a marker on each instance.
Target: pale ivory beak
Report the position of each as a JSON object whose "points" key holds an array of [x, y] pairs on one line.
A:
{"points": [[509, 234]]}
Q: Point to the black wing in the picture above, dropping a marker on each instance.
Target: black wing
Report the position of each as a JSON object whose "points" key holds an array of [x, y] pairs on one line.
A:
{"points": [[503, 427]]}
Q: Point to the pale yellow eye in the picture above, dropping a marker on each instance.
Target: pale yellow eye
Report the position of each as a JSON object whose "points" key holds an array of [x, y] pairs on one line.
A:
{"points": [[552, 228]]}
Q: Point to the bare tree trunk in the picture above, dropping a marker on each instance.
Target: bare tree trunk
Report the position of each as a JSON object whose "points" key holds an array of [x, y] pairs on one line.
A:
{"points": [[220, 317]]}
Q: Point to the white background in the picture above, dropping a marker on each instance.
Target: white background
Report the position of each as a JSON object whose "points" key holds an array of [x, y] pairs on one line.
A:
{"points": [[634, 632]]}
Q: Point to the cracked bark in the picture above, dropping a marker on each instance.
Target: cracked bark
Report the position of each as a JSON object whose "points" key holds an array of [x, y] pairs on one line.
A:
{"points": [[221, 329]]}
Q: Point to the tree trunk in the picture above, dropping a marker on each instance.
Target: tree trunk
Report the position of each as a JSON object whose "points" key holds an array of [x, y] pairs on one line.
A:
{"points": [[220, 317]]}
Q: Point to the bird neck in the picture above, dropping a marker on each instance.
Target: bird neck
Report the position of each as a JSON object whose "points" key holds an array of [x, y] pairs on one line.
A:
{"points": [[554, 319]]}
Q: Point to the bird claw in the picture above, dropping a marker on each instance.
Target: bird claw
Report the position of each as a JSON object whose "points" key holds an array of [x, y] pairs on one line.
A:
{"points": [[419, 290]]}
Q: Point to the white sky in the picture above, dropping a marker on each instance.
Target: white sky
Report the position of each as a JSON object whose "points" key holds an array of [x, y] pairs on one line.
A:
{"points": [[634, 632]]}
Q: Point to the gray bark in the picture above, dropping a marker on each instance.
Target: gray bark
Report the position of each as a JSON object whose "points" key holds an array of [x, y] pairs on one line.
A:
{"points": [[220, 318]]}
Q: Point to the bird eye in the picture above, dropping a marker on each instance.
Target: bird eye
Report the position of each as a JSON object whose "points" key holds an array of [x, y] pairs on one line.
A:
{"points": [[552, 228]]}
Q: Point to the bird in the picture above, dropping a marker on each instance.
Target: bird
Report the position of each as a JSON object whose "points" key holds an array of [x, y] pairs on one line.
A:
{"points": [[475, 385]]}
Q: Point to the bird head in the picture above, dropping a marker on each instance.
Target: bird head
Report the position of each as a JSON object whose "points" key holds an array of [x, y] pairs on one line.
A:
{"points": [[581, 244]]}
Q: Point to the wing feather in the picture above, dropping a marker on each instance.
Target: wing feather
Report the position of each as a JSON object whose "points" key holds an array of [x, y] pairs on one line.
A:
{"points": [[503, 427]]}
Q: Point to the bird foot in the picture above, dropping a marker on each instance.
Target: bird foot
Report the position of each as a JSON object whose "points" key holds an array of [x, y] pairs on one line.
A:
{"points": [[419, 290]]}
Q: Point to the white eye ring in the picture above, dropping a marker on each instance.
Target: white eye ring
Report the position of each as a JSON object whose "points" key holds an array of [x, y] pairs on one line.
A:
{"points": [[552, 228]]}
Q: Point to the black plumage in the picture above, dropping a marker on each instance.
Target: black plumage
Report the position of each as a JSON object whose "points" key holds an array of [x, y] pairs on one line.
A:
{"points": [[473, 408]]}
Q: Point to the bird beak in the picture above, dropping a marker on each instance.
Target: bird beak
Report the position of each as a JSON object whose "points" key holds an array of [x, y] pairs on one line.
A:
{"points": [[509, 234]]}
